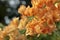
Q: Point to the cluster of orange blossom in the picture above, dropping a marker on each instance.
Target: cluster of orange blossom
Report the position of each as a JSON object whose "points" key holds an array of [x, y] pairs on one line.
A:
{"points": [[44, 12], [38, 19]]}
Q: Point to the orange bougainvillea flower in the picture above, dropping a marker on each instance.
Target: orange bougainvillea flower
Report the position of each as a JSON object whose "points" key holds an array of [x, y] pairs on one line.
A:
{"points": [[38, 19], [45, 15]]}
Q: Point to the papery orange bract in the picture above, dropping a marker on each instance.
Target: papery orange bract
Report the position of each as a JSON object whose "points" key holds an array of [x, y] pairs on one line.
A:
{"points": [[44, 12]]}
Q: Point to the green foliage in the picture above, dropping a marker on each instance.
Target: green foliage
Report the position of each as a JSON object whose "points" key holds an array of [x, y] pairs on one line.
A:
{"points": [[30, 18], [6, 38], [1, 26], [57, 25], [22, 31]]}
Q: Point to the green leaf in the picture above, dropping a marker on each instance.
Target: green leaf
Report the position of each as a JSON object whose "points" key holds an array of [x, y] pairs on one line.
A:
{"points": [[1, 26], [30, 18], [29, 37], [6, 38], [41, 37], [58, 25], [22, 31]]}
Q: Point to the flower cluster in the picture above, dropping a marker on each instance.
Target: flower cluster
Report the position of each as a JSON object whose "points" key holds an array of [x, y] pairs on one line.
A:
{"points": [[38, 19], [45, 13]]}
